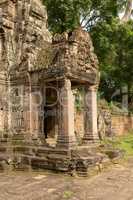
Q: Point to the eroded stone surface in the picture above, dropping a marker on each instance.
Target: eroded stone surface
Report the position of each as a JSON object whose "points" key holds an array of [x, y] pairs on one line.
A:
{"points": [[115, 184], [22, 30]]}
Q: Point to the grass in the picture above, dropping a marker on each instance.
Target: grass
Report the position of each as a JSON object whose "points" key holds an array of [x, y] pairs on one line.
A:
{"points": [[122, 142], [67, 194]]}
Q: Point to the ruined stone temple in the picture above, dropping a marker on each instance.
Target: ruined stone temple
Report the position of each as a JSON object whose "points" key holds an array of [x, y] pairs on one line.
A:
{"points": [[38, 77]]}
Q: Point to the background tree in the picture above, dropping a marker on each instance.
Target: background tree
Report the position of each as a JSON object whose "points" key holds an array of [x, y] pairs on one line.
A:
{"points": [[114, 46], [65, 15], [128, 11]]}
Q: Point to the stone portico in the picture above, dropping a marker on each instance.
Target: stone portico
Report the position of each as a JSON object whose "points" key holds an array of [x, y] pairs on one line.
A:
{"points": [[67, 71], [38, 89]]}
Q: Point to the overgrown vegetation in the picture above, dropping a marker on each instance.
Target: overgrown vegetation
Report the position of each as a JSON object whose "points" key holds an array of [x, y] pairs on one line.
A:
{"points": [[113, 106], [65, 15], [124, 143]]}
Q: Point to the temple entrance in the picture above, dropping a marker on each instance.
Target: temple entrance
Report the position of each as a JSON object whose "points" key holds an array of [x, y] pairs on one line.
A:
{"points": [[50, 122], [50, 115]]}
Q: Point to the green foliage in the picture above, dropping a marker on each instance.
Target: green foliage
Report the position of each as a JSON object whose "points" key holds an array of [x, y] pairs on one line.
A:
{"points": [[65, 15], [116, 107], [124, 143], [114, 46], [124, 51], [68, 195]]}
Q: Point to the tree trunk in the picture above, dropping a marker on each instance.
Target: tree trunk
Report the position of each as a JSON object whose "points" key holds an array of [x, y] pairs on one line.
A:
{"points": [[128, 12]]}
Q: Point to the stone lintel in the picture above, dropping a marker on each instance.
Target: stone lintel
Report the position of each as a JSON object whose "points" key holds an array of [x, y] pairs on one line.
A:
{"points": [[85, 78]]}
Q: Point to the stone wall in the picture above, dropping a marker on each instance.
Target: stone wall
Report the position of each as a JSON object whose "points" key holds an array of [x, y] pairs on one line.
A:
{"points": [[115, 124], [121, 123]]}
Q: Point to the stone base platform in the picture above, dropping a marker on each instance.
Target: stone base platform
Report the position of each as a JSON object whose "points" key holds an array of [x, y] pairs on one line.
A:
{"points": [[17, 154]]}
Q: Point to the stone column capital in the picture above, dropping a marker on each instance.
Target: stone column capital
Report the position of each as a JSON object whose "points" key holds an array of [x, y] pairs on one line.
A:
{"points": [[91, 88], [65, 84]]}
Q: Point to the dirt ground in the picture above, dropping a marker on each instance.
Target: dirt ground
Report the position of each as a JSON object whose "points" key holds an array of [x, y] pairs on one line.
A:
{"points": [[114, 184]]}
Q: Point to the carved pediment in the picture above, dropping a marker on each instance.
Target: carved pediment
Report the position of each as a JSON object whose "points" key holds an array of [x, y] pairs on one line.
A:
{"points": [[75, 50]]}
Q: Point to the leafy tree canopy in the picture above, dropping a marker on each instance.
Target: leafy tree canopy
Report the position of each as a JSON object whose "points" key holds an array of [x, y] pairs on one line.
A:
{"points": [[67, 14], [114, 47]]}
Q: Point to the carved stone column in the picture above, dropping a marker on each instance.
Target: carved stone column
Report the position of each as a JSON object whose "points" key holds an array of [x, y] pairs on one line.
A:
{"points": [[35, 106], [90, 115], [66, 137]]}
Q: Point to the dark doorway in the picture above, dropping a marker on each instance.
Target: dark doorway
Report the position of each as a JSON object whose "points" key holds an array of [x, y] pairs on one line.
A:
{"points": [[50, 113], [50, 122]]}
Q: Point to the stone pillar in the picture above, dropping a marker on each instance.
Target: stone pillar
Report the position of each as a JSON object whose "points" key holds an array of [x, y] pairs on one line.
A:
{"points": [[125, 98], [90, 115], [35, 105], [66, 136]]}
